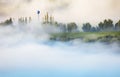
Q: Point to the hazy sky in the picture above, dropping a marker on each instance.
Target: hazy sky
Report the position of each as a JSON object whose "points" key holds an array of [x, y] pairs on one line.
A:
{"points": [[64, 10]]}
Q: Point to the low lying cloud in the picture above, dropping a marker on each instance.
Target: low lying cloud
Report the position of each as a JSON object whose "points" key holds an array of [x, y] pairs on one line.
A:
{"points": [[25, 50]]}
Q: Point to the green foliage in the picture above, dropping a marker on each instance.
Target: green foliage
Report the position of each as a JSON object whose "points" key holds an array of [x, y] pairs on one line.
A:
{"points": [[107, 37], [86, 27], [107, 25], [71, 27]]}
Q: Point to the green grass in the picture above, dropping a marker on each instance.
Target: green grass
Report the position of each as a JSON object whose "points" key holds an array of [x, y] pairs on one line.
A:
{"points": [[87, 36]]}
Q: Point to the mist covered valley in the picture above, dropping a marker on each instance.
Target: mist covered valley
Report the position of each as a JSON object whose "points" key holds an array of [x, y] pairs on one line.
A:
{"points": [[60, 38], [27, 51]]}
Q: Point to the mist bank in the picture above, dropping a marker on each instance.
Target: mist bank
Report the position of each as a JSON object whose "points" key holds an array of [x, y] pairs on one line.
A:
{"points": [[27, 50], [54, 31], [23, 49], [51, 34]]}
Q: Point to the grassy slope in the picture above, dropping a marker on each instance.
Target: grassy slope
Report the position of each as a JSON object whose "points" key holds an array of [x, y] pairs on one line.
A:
{"points": [[88, 36]]}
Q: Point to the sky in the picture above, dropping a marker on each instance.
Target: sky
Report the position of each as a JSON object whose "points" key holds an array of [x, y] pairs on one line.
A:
{"points": [[79, 11]]}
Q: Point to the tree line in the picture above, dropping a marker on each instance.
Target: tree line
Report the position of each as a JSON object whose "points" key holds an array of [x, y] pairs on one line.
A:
{"points": [[7, 22], [105, 26]]}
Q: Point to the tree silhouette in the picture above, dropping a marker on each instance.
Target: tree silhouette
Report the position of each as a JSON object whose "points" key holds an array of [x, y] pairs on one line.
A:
{"points": [[117, 26], [86, 27], [106, 25], [101, 26], [71, 27]]}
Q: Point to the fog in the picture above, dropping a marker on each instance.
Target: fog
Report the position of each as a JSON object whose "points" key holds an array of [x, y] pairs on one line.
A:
{"points": [[25, 50], [79, 11]]}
